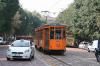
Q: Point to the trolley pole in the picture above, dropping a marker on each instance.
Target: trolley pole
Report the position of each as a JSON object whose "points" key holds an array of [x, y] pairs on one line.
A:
{"points": [[46, 15]]}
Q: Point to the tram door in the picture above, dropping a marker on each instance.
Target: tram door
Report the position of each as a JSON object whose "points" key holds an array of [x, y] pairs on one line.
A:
{"points": [[46, 38]]}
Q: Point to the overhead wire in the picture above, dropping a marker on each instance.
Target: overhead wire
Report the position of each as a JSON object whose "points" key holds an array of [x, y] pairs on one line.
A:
{"points": [[54, 5]]}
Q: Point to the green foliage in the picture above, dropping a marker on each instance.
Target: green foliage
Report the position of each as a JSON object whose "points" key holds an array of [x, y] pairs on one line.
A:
{"points": [[8, 9], [83, 16], [29, 21], [15, 20]]}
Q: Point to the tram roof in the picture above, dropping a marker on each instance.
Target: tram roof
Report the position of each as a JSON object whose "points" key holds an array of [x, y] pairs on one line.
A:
{"points": [[55, 24], [49, 25]]}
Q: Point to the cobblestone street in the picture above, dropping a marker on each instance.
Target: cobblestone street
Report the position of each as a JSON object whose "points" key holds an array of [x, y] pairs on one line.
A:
{"points": [[72, 57]]}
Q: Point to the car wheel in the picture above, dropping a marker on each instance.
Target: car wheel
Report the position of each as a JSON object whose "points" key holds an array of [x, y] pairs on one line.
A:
{"points": [[30, 58], [88, 50], [98, 58], [8, 58], [33, 56]]}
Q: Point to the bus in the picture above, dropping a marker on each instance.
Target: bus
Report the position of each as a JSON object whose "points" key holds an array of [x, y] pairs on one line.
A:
{"points": [[51, 38]]}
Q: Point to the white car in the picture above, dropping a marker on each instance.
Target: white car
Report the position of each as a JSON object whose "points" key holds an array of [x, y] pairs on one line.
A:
{"points": [[20, 49], [84, 45], [93, 46], [1, 40]]}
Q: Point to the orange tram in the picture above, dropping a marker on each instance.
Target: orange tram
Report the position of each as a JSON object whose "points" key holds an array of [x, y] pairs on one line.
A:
{"points": [[51, 38]]}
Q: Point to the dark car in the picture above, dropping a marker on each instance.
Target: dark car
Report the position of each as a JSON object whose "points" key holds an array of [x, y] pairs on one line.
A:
{"points": [[97, 52]]}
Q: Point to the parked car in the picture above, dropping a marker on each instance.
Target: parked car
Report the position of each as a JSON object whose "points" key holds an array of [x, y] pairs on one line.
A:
{"points": [[93, 45], [20, 49], [81, 45], [84, 45], [1, 40], [97, 54], [97, 51]]}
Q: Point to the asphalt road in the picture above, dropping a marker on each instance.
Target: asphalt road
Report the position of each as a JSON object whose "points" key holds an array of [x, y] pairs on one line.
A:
{"points": [[72, 57], [4, 62]]}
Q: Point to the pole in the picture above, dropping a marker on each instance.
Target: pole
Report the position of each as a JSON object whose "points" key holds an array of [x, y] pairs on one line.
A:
{"points": [[46, 15]]}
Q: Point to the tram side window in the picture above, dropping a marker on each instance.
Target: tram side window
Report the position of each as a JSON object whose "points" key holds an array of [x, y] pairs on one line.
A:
{"points": [[58, 34], [52, 34]]}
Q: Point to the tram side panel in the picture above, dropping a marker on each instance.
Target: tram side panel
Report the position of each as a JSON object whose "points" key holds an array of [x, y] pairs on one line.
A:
{"points": [[39, 40], [46, 39], [42, 40]]}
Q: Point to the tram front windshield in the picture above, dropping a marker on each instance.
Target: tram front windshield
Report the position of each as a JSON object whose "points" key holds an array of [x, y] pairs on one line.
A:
{"points": [[58, 34], [55, 34]]}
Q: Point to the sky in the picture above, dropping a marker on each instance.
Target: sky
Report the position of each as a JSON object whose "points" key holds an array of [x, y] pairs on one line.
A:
{"points": [[53, 6]]}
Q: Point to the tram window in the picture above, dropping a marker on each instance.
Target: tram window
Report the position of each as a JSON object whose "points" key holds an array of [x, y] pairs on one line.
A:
{"points": [[52, 35], [58, 34]]}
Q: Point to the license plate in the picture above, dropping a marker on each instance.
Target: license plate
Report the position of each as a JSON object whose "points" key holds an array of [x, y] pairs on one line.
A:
{"points": [[16, 54]]}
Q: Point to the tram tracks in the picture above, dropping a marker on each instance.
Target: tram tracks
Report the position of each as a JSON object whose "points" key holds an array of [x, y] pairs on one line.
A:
{"points": [[64, 63], [53, 60], [68, 59]]}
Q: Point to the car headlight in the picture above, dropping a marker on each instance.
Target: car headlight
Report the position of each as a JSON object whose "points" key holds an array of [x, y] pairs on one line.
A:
{"points": [[27, 51]]}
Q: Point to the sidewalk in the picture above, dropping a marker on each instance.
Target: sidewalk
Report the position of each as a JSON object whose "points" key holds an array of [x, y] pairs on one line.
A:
{"points": [[1, 46]]}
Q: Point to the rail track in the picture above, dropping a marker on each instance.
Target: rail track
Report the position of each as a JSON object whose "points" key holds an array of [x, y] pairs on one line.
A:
{"points": [[71, 58], [64, 63]]}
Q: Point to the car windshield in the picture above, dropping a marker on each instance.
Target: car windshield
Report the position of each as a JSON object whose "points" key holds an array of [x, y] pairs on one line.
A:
{"points": [[21, 44]]}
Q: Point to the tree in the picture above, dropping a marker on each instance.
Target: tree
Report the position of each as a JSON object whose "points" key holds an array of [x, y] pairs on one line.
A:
{"points": [[29, 21], [7, 12], [83, 16], [2, 6]]}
